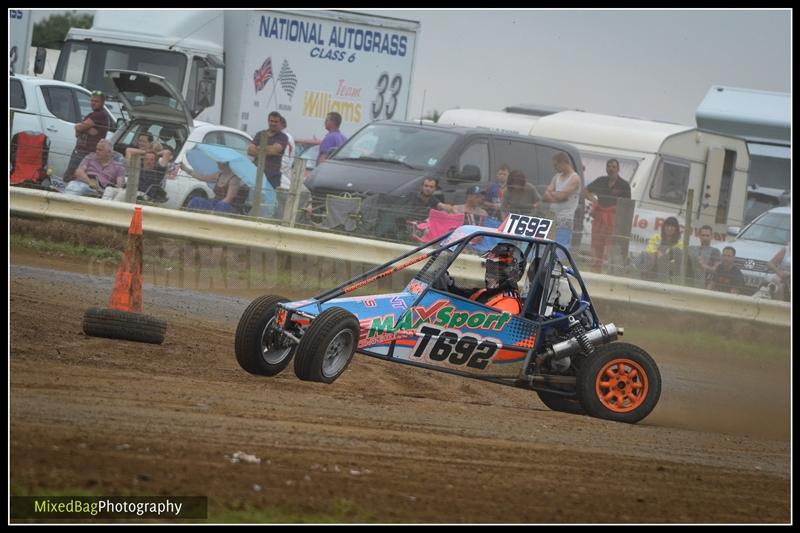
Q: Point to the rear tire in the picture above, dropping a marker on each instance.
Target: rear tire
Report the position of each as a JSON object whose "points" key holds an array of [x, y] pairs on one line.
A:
{"points": [[327, 347], [563, 404], [254, 345], [116, 324], [619, 382]]}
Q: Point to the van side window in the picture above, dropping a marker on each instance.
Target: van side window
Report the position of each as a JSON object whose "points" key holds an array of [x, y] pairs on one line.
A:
{"points": [[476, 155], [671, 181], [61, 102], [519, 156], [17, 97]]}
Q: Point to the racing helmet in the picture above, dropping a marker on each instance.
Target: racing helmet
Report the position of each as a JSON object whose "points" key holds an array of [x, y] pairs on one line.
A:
{"points": [[504, 264]]}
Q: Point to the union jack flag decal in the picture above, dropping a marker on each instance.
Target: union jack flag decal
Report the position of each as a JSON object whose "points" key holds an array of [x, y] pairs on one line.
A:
{"points": [[262, 75]]}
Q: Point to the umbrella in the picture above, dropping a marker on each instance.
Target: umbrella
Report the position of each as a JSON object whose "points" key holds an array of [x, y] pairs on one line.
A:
{"points": [[204, 159]]}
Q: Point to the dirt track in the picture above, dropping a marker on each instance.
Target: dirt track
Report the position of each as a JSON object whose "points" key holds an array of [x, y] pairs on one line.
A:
{"points": [[386, 442]]}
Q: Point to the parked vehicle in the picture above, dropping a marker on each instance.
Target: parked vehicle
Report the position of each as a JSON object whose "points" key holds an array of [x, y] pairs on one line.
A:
{"points": [[393, 158], [763, 119], [660, 161], [156, 107], [303, 64], [758, 242], [53, 108], [556, 346]]}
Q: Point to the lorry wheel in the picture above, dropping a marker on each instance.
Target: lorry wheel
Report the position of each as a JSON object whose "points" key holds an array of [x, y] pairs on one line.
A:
{"points": [[125, 325], [258, 350], [327, 347], [564, 404], [619, 382]]}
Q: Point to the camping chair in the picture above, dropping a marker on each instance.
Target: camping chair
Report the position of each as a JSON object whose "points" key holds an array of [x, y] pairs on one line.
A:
{"points": [[437, 224], [29, 153], [341, 211]]}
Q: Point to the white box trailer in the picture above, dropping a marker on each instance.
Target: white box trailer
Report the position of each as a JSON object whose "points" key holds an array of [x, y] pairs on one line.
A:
{"points": [[660, 161], [305, 64]]}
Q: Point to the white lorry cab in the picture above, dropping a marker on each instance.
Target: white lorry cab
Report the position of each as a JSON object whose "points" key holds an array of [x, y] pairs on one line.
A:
{"points": [[660, 161]]}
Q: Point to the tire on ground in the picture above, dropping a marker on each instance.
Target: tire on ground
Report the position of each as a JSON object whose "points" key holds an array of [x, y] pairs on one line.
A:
{"points": [[619, 382], [327, 347], [564, 404], [125, 325], [252, 351]]}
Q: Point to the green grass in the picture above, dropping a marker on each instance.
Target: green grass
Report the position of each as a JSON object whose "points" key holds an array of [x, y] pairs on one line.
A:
{"points": [[48, 246]]}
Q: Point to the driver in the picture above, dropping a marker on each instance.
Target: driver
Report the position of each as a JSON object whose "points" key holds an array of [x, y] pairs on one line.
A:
{"points": [[504, 265]]}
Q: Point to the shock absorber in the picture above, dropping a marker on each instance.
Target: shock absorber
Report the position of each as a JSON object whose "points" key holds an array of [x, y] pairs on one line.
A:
{"points": [[576, 328]]}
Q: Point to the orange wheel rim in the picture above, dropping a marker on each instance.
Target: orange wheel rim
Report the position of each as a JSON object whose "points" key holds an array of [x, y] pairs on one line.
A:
{"points": [[621, 385]]}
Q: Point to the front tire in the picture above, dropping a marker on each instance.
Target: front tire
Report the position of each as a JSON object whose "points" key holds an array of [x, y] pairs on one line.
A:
{"points": [[257, 349], [327, 347], [619, 382]]}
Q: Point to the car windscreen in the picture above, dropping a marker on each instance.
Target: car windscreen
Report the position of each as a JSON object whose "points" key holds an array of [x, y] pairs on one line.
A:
{"points": [[410, 146], [772, 228]]}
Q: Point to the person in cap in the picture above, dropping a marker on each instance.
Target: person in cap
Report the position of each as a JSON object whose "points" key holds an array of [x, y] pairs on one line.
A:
{"points": [[504, 266], [91, 129], [474, 213]]}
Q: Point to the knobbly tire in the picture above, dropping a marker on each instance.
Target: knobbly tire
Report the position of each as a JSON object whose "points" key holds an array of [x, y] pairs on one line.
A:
{"points": [[564, 404], [125, 325], [255, 347], [327, 347], [619, 382]]}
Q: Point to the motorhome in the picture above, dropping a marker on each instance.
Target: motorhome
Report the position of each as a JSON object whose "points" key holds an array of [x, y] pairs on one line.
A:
{"points": [[660, 161]]}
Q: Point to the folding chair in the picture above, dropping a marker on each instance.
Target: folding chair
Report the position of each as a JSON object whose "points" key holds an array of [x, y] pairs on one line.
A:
{"points": [[340, 211], [438, 223], [29, 153]]}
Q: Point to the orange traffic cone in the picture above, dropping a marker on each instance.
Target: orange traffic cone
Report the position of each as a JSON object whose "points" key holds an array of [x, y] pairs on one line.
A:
{"points": [[127, 293], [124, 320]]}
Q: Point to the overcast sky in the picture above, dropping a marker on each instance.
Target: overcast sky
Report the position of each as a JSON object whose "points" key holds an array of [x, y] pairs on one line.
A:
{"points": [[649, 64]]}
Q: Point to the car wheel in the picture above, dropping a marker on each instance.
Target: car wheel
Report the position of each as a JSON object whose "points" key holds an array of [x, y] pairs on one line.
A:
{"points": [[192, 196], [258, 350], [564, 404], [125, 325], [619, 382], [327, 347]]}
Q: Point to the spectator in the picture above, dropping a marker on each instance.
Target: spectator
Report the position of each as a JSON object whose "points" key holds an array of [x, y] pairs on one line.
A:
{"points": [[333, 139], [727, 277], [496, 191], [703, 259], [226, 189], [97, 171], [474, 214], [562, 194], [93, 128], [150, 177], [664, 252], [414, 207], [277, 141], [166, 163], [504, 267], [144, 144], [603, 193], [781, 266], [286, 172], [521, 198]]}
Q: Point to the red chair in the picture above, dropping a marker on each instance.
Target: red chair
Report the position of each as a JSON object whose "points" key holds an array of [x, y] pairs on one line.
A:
{"points": [[29, 153], [437, 224]]}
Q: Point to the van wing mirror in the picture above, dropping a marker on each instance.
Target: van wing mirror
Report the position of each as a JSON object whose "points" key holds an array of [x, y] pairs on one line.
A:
{"points": [[39, 62], [206, 89], [733, 231]]}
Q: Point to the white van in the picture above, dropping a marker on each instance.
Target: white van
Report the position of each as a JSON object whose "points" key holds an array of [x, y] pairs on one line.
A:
{"points": [[660, 161]]}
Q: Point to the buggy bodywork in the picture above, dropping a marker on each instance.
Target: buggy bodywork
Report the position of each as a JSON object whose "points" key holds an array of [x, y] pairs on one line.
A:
{"points": [[556, 345]]}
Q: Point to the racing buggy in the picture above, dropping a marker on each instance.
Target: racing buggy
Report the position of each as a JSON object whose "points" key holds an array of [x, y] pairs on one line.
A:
{"points": [[552, 343]]}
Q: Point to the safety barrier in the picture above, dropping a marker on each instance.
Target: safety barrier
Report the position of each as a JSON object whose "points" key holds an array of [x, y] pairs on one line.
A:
{"points": [[252, 233]]}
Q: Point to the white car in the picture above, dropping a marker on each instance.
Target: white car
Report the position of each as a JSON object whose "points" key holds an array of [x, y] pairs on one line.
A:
{"points": [[758, 242], [52, 107], [157, 108]]}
